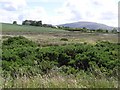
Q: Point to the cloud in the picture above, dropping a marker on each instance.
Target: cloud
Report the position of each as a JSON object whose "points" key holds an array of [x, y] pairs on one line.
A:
{"points": [[12, 5], [10, 10], [108, 16], [19, 10], [101, 11], [36, 13], [46, 1], [8, 7]]}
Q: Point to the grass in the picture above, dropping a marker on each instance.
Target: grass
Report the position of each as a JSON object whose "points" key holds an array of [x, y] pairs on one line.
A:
{"points": [[55, 38], [50, 36], [25, 28], [57, 80]]}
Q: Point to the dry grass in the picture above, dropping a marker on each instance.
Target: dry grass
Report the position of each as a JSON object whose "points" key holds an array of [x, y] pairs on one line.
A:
{"points": [[57, 80], [44, 39]]}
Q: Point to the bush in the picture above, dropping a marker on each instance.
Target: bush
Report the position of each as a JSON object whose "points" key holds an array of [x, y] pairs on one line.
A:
{"points": [[64, 39], [14, 22], [19, 52]]}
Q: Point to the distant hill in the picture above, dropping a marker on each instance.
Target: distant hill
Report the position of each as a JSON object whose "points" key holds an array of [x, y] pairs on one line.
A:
{"points": [[89, 25]]}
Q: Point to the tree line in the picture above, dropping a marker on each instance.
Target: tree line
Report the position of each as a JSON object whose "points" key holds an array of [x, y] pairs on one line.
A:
{"points": [[84, 29]]}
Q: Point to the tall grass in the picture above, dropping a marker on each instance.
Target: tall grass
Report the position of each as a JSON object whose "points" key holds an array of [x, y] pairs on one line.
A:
{"points": [[55, 79]]}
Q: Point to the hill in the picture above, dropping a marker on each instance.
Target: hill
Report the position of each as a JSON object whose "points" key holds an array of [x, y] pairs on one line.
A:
{"points": [[6, 27], [89, 25]]}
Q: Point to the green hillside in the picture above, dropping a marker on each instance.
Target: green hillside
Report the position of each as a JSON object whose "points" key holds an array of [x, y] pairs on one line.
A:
{"points": [[24, 28]]}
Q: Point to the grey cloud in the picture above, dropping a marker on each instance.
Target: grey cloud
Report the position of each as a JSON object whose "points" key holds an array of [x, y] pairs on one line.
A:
{"points": [[9, 7], [97, 3], [77, 15], [108, 16], [21, 17]]}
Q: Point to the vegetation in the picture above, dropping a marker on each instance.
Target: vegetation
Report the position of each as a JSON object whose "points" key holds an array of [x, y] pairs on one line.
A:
{"points": [[23, 59], [32, 23], [84, 29], [14, 22], [64, 39], [28, 29], [30, 26]]}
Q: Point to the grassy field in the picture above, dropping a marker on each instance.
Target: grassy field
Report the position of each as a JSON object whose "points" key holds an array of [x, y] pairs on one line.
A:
{"points": [[24, 28], [50, 36]]}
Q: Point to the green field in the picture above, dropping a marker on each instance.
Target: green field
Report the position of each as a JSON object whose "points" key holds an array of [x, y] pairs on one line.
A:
{"points": [[25, 28]]}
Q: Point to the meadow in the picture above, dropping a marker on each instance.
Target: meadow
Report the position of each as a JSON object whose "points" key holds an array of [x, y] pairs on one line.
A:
{"points": [[39, 57]]}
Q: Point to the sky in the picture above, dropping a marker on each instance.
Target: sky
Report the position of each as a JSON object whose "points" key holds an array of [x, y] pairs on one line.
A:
{"points": [[60, 11]]}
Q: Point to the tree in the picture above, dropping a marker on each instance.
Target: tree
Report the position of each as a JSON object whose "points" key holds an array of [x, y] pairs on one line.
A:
{"points": [[14, 22], [23, 23], [84, 29], [100, 30], [39, 23], [107, 31], [33, 23], [114, 30]]}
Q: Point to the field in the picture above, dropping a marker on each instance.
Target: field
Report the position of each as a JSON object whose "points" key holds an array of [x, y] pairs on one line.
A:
{"points": [[39, 57], [48, 36]]}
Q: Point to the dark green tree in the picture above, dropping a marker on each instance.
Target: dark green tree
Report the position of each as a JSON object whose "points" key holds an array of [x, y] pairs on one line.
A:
{"points": [[14, 22], [39, 23], [114, 30]]}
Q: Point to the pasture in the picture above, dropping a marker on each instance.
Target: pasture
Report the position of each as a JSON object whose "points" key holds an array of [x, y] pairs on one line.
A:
{"points": [[52, 36]]}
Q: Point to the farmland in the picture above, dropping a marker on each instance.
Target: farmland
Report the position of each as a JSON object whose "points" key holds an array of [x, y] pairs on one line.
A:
{"points": [[39, 57]]}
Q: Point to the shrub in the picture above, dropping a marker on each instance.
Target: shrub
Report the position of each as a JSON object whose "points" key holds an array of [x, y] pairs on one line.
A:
{"points": [[64, 39], [19, 52]]}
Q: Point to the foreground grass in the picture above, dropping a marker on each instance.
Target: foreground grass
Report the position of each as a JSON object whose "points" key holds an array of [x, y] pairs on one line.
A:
{"points": [[57, 80]]}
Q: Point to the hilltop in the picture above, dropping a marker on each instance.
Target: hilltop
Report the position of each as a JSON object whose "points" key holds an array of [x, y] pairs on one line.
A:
{"points": [[89, 25]]}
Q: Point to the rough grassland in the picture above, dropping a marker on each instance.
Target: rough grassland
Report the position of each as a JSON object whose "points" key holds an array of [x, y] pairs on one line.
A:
{"points": [[57, 80], [50, 36]]}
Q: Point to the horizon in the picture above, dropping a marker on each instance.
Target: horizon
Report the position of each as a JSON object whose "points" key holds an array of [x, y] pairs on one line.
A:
{"points": [[63, 23], [60, 12]]}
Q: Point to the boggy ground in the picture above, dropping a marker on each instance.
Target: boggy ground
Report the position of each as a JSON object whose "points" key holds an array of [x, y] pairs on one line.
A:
{"points": [[55, 38]]}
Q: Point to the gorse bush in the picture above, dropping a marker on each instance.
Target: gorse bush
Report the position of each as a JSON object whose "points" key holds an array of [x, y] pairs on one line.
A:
{"points": [[20, 41], [23, 57], [64, 39]]}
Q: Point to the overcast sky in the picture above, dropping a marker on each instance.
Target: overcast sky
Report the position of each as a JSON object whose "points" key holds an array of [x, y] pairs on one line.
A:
{"points": [[60, 11]]}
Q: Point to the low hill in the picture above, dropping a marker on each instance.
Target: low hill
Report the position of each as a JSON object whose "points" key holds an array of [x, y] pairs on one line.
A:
{"points": [[89, 25]]}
